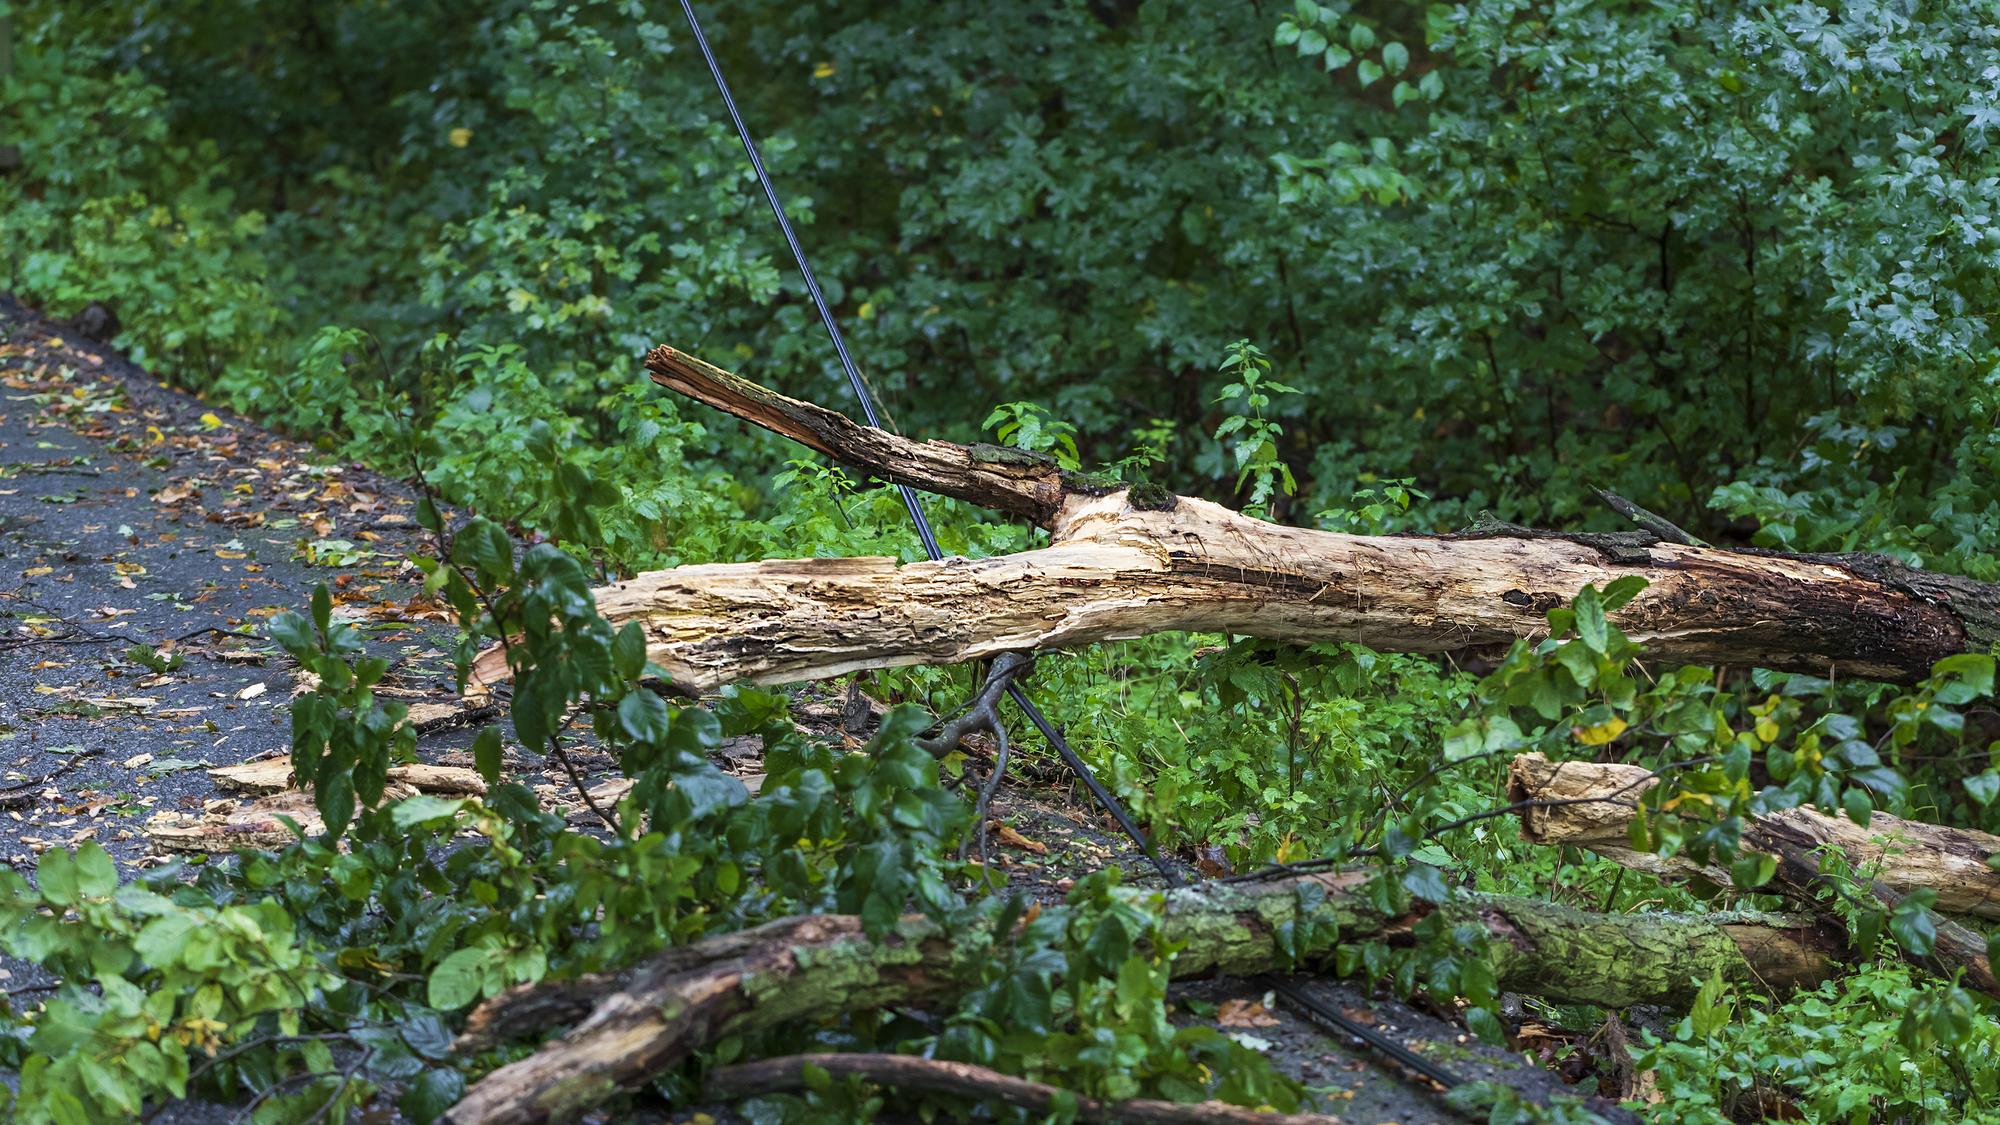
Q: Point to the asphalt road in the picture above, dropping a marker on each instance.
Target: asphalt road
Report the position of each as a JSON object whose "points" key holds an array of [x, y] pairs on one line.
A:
{"points": [[134, 517]]}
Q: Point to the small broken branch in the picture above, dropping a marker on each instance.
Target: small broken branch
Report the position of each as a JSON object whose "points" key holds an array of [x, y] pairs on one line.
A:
{"points": [[1591, 805], [803, 968], [937, 1076]]}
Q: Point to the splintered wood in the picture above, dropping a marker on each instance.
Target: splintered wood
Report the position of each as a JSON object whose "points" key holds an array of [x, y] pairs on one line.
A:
{"points": [[1124, 562]]}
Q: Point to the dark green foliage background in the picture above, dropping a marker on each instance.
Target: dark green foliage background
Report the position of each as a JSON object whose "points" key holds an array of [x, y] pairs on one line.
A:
{"points": [[1734, 262]]}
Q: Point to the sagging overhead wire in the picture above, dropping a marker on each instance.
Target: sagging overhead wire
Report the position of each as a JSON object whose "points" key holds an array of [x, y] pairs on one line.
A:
{"points": [[910, 500], [1310, 1007]]}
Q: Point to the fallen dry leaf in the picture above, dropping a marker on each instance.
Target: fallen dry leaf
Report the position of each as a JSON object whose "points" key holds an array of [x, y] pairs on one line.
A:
{"points": [[1014, 839], [1245, 1013]]}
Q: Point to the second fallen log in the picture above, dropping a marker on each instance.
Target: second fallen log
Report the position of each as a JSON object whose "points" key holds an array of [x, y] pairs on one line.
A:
{"points": [[803, 968]]}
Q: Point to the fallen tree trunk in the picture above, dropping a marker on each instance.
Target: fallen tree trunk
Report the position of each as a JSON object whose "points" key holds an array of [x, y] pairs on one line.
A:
{"points": [[808, 967], [1592, 804], [937, 1076], [1125, 562]]}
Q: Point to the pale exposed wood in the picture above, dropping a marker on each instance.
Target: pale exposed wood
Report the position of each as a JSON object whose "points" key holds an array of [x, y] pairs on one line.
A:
{"points": [[1127, 563], [1115, 572], [274, 775], [1906, 855], [804, 967], [939, 1076], [225, 826]]}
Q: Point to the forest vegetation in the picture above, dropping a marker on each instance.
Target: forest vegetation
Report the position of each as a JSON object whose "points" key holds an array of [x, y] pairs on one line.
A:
{"points": [[1379, 270]]}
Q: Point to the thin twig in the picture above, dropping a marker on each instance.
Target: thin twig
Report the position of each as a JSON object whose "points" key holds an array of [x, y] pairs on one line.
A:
{"points": [[21, 792], [938, 1076]]}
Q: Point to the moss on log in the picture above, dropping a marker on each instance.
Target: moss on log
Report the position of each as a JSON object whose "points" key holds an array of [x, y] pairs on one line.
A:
{"points": [[812, 968]]}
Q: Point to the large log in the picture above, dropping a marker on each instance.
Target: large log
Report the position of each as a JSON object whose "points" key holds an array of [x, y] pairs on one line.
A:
{"points": [[808, 967], [1591, 805], [1124, 563]]}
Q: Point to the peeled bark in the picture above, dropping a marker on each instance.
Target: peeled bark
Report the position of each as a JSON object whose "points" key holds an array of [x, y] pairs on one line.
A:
{"points": [[1125, 562], [809, 967], [1591, 805]]}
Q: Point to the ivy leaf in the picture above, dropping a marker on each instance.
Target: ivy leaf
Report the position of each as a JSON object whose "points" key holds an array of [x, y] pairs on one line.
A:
{"points": [[423, 808], [1857, 805], [488, 755], [55, 875], [1983, 787], [96, 875], [1483, 1023], [484, 546], [1621, 590], [1752, 869]]}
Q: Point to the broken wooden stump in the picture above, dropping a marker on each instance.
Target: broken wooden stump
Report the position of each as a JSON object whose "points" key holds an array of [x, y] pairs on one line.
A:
{"points": [[1125, 562], [274, 775]]}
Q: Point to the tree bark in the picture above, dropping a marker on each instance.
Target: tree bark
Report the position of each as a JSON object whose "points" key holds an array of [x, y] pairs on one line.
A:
{"points": [[1125, 562], [1591, 805], [937, 1076], [806, 968]]}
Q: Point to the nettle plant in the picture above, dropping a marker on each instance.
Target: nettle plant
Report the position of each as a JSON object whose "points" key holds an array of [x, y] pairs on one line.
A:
{"points": [[1252, 437]]}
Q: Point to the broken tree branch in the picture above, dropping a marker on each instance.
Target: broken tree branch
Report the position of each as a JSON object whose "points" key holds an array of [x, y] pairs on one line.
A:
{"points": [[1903, 854], [937, 1076], [1895, 856], [805, 967], [1126, 562]]}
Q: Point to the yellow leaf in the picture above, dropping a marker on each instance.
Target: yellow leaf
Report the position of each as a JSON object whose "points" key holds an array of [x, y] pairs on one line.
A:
{"points": [[1767, 731], [211, 421], [823, 70], [460, 137], [1601, 733], [867, 310]]}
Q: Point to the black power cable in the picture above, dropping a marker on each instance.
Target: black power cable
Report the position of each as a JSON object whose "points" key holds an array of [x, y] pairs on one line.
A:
{"points": [[1310, 1006], [910, 501]]}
